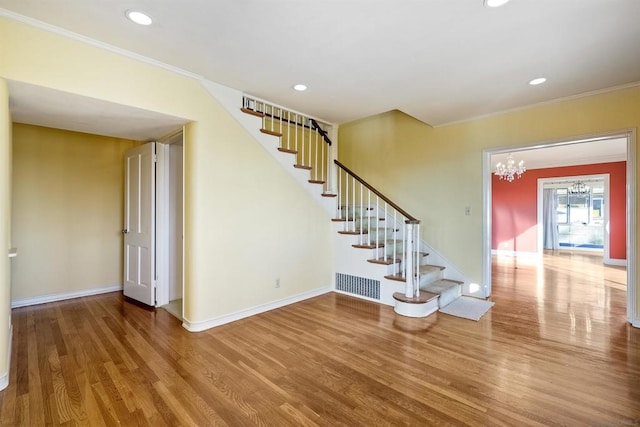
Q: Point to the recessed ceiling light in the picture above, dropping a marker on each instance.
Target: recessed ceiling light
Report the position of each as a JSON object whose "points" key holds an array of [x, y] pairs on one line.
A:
{"points": [[300, 87], [537, 81], [495, 3], [139, 17]]}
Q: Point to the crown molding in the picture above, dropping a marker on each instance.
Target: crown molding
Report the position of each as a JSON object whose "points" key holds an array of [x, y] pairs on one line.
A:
{"points": [[541, 104]]}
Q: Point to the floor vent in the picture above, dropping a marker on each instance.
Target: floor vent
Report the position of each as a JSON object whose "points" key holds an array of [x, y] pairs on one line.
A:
{"points": [[358, 285]]}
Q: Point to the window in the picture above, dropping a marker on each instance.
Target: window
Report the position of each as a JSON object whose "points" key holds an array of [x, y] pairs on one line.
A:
{"points": [[563, 206]]}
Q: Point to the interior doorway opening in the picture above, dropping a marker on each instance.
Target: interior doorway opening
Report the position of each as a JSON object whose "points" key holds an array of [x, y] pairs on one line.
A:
{"points": [[629, 244]]}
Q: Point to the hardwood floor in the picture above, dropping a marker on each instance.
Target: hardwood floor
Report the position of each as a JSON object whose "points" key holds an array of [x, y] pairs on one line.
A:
{"points": [[554, 350]]}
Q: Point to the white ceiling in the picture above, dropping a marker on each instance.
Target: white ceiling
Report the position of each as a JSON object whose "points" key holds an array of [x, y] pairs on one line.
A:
{"points": [[440, 61]]}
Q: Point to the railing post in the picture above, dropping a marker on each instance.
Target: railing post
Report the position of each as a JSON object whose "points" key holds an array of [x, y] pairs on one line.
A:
{"points": [[416, 265], [332, 168], [408, 267]]}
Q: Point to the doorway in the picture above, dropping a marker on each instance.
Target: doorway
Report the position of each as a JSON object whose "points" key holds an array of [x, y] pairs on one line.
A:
{"points": [[574, 214], [629, 194], [170, 221]]}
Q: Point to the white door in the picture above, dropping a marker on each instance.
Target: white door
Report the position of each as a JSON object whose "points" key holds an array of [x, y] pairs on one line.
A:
{"points": [[139, 223]]}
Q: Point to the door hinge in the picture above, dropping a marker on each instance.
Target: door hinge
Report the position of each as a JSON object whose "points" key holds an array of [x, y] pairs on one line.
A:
{"points": [[155, 158]]}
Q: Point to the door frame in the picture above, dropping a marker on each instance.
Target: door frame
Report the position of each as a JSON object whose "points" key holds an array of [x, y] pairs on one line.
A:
{"points": [[163, 238], [487, 169], [605, 177]]}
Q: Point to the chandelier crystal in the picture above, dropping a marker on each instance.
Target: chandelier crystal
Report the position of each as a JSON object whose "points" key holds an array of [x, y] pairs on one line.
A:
{"points": [[579, 188], [509, 170]]}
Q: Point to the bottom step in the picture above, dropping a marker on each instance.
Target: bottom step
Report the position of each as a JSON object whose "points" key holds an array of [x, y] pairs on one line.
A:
{"points": [[448, 290], [420, 306]]}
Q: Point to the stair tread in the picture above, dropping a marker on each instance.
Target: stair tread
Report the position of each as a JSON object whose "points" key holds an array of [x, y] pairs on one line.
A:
{"points": [[357, 218], [366, 231], [389, 260], [270, 132], [384, 261], [302, 167], [424, 269], [328, 195], [369, 246], [441, 285], [287, 150], [423, 298], [430, 267], [252, 112], [316, 181], [354, 232]]}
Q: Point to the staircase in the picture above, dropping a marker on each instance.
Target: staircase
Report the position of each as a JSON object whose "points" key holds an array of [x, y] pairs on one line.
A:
{"points": [[379, 255]]}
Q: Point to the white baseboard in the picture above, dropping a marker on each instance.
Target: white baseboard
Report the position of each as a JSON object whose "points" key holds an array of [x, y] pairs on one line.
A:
{"points": [[519, 254], [615, 261], [23, 302], [218, 321], [4, 379], [636, 323]]}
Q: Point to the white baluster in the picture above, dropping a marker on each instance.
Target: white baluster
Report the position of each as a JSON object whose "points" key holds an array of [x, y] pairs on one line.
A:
{"points": [[317, 157], [310, 148], [417, 260], [323, 176], [385, 250], [369, 213], [303, 138], [339, 197], [353, 197], [393, 235], [361, 218]]}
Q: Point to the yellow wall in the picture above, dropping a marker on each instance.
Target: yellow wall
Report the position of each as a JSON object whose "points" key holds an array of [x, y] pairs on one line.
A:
{"points": [[434, 173], [5, 229], [67, 210], [246, 221]]}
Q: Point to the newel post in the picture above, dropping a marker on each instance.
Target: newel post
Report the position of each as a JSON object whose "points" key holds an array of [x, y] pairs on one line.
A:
{"points": [[412, 267]]}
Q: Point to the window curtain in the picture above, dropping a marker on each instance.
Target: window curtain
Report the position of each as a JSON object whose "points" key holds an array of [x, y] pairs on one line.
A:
{"points": [[550, 219]]}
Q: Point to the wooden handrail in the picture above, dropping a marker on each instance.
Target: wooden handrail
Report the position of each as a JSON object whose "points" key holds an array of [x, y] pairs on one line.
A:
{"points": [[410, 219], [321, 131]]}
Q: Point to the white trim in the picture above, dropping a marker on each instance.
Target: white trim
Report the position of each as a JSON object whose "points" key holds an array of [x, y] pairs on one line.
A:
{"points": [[4, 379], [487, 204], [615, 261], [93, 42], [162, 224], [606, 178], [632, 310], [24, 302], [636, 324], [519, 254], [541, 104], [228, 318]]}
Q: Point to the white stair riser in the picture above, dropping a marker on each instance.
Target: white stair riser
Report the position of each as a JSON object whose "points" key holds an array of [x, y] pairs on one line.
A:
{"points": [[416, 310], [430, 277]]}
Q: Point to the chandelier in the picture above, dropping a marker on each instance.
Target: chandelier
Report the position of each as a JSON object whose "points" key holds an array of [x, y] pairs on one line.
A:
{"points": [[509, 170], [579, 188]]}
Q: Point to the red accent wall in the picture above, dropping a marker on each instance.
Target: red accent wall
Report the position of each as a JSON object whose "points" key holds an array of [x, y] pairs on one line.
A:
{"points": [[514, 210]]}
